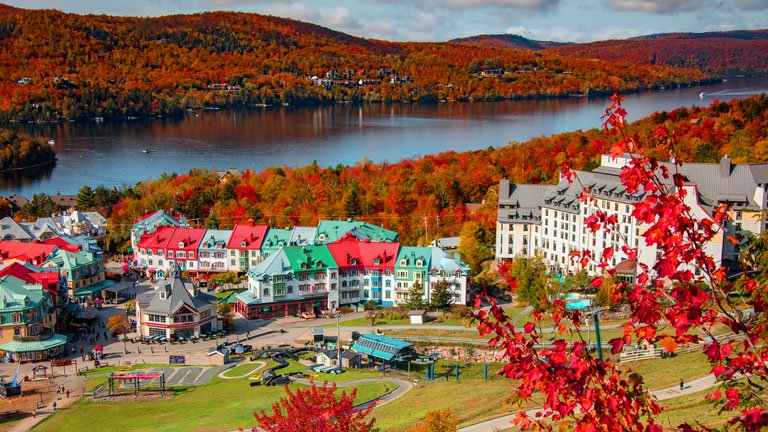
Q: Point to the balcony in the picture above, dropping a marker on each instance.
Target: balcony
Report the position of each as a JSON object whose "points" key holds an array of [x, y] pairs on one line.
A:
{"points": [[45, 334], [313, 293]]}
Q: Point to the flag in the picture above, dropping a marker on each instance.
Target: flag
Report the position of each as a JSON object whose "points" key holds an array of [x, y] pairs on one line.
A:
{"points": [[16, 375]]}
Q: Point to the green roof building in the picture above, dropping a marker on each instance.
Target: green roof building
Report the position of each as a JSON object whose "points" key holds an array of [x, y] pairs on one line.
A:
{"points": [[27, 318], [331, 230], [84, 272], [412, 264]]}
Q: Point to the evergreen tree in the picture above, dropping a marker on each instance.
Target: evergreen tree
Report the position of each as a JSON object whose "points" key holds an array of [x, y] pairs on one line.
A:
{"points": [[352, 199], [41, 205], [441, 296], [416, 297], [213, 221], [85, 198]]}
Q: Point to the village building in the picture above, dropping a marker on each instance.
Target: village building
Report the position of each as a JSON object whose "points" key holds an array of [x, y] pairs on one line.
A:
{"points": [[83, 273], [149, 223], [293, 280], [27, 320], [176, 309], [212, 253], [245, 245], [25, 253], [331, 230], [412, 266], [550, 220]]}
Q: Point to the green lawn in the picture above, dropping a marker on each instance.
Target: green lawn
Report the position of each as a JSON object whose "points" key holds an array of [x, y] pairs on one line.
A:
{"points": [[100, 371], [221, 405], [366, 322], [242, 369], [663, 373], [691, 409]]}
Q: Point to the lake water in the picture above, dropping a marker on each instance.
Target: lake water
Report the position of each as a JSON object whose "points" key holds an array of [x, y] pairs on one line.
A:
{"points": [[110, 153]]}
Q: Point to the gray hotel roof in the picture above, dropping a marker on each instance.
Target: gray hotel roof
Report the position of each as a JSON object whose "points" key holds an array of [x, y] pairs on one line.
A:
{"points": [[178, 292], [715, 183]]}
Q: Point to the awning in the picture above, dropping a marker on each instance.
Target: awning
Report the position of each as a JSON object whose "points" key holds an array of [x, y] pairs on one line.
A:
{"points": [[94, 288], [266, 309], [54, 341], [117, 288], [317, 304], [98, 347]]}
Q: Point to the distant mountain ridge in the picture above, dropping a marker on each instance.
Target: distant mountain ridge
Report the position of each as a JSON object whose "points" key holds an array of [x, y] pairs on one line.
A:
{"points": [[57, 66], [508, 41], [739, 52]]}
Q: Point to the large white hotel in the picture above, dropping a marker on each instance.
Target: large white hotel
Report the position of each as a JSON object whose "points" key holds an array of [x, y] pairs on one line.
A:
{"points": [[549, 219]]}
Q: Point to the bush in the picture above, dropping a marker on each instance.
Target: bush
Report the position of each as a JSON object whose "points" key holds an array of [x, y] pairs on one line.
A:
{"points": [[343, 310], [458, 312], [369, 305]]}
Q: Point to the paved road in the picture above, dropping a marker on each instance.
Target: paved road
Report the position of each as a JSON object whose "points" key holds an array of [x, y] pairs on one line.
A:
{"points": [[502, 423]]}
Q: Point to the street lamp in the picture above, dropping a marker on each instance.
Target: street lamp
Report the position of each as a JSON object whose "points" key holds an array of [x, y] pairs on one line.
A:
{"points": [[596, 319]]}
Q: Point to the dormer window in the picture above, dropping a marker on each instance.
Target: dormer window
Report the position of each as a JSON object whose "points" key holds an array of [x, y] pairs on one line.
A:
{"points": [[243, 244], [377, 261], [162, 295], [303, 265], [354, 261], [403, 262], [181, 244], [419, 263], [319, 264]]}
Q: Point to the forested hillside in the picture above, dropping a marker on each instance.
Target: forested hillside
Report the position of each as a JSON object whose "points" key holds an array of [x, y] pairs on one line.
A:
{"points": [[430, 192], [720, 53], [20, 151], [56, 66], [507, 41]]}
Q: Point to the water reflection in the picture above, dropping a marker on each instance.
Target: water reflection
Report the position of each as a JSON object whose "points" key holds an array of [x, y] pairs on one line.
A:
{"points": [[110, 153]]}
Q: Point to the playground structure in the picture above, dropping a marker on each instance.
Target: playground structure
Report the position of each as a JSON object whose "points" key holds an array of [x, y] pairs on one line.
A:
{"points": [[130, 383]]}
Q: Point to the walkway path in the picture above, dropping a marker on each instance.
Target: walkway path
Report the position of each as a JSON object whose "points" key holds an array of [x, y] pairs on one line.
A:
{"points": [[502, 423], [257, 366]]}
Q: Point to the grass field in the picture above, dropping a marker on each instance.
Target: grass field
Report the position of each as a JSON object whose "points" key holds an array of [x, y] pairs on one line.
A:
{"points": [[664, 373], [221, 405], [241, 370]]}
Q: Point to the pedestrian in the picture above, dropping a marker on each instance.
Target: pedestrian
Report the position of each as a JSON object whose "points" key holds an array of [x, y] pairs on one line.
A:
{"points": [[81, 350], [67, 393], [54, 405], [34, 414], [682, 384]]}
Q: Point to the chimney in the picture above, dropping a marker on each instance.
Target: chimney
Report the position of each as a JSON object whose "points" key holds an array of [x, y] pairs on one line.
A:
{"points": [[725, 166], [251, 222]]}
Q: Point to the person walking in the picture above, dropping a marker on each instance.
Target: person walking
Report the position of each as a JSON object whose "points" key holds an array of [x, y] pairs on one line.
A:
{"points": [[54, 405], [34, 413], [682, 384], [67, 394]]}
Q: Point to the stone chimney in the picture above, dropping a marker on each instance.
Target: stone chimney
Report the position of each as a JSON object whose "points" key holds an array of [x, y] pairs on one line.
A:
{"points": [[725, 166]]}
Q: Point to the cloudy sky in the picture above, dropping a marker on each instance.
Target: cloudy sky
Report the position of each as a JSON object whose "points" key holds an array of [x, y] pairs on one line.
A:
{"points": [[439, 20]]}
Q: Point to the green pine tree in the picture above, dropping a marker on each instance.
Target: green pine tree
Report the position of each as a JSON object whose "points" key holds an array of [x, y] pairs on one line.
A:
{"points": [[85, 198], [416, 297], [441, 297]]}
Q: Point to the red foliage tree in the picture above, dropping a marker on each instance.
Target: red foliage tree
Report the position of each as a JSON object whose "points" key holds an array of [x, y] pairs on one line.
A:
{"points": [[684, 290], [316, 409]]}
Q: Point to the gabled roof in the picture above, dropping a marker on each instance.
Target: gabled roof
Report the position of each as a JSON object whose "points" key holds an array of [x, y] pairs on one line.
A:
{"points": [[152, 221], [276, 238], [37, 252], [15, 294], [157, 239], [383, 252], [62, 243], [67, 260], [301, 236], [215, 239], [172, 294], [309, 257], [411, 254], [248, 236], [32, 275], [442, 261], [12, 230], [346, 252], [521, 203], [275, 264], [185, 238], [332, 230]]}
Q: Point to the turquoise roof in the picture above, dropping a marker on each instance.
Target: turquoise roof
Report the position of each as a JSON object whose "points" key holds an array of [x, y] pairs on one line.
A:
{"points": [[247, 298], [275, 264], [309, 258], [94, 288], [412, 254], [276, 238], [333, 230], [17, 347], [70, 261], [157, 219], [442, 261], [16, 295], [380, 346]]}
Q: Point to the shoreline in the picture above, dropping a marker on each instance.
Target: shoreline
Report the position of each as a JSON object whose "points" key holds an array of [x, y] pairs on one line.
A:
{"points": [[28, 167]]}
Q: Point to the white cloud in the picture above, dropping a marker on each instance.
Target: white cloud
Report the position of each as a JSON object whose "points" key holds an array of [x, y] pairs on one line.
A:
{"points": [[531, 5], [564, 34], [656, 6]]}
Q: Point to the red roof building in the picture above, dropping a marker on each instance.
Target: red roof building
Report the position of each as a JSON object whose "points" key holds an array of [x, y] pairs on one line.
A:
{"points": [[63, 244], [245, 245], [169, 245], [44, 276], [28, 253]]}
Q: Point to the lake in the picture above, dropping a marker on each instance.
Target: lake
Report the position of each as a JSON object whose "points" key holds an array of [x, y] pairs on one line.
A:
{"points": [[110, 153]]}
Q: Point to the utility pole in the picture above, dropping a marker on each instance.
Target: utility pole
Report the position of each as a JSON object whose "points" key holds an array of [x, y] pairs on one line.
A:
{"points": [[338, 340], [426, 230]]}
